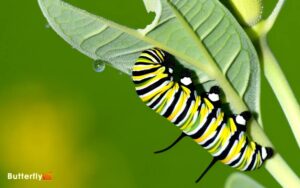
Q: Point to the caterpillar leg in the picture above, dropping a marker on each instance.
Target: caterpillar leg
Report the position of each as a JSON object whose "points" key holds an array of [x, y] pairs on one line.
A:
{"points": [[173, 144], [186, 78], [242, 119], [214, 94]]}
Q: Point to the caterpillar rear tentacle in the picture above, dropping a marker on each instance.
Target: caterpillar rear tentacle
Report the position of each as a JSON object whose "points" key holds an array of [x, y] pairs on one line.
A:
{"points": [[199, 117]]}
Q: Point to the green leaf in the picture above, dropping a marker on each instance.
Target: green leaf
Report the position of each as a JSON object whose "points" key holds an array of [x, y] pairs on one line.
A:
{"points": [[201, 34], [239, 180]]}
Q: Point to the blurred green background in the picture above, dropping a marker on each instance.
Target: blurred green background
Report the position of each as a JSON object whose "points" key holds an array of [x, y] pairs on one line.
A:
{"points": [[90, 129]]}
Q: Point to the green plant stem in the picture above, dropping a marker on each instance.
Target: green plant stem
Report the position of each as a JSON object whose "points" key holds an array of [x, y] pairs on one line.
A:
{"points": [[283, 174], [281, 88], [274, 74], [273, 17]]}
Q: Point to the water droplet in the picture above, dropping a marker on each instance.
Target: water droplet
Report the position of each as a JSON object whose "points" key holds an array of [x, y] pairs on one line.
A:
{"points": [[129, 71], [99, 66], [47, 26]]}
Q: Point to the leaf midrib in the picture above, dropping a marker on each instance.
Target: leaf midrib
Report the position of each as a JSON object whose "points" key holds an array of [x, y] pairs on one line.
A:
{"points": [[214, 71], [210, 68]]}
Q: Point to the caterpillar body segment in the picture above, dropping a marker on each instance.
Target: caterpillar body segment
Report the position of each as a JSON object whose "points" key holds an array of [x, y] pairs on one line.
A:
{"points": [[199, 117]]}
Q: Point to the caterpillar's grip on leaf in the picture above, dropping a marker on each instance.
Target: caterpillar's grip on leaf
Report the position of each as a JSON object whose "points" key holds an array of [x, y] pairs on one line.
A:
{"points": [[197, 116]]}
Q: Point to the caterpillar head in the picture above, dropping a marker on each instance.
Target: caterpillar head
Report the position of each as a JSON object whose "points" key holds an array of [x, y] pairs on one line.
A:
{"points": [[266, 153]]}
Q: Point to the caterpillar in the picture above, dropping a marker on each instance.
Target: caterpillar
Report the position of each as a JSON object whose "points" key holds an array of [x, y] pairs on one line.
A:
{"points": [[199, 117]]}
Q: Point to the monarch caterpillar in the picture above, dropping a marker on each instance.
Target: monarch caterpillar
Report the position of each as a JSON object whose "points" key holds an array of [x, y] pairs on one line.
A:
{"points": [[197, 116]]}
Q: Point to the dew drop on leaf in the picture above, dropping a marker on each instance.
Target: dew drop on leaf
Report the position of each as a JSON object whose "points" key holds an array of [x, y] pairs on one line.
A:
{"points": [[129, 70], [98, 66]]}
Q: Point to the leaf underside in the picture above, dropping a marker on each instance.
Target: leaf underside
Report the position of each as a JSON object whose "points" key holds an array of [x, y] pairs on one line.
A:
{"points": [[215, 29]]}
